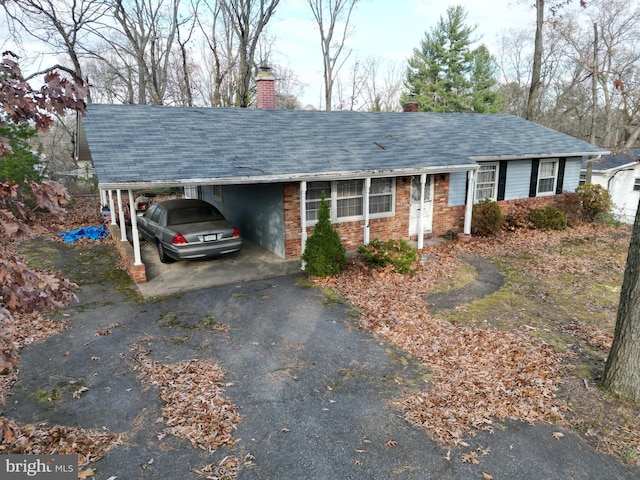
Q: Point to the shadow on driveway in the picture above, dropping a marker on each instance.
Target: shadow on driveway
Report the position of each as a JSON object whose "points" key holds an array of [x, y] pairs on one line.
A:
{"points": [[315, 392]]}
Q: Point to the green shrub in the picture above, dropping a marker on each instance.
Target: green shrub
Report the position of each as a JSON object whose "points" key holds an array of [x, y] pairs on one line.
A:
{"points": [[595, 201], [548, 218], [379, 254], [487, 218], [324, 254]]}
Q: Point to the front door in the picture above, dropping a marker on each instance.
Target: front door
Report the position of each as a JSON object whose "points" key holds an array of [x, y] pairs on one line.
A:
{"points": [[417, 209]]}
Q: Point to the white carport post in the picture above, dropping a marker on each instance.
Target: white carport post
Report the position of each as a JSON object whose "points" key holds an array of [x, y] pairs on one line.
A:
{"points": [[423, 182], [137, 259], [123, 226], [468, 213], [103, 198], [303, 216], [111, 208], [367, 189]]}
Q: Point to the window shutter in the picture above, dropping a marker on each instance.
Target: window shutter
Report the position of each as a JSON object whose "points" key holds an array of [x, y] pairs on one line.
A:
{"points": [[533, 184], [502, 179], [561, 165]]}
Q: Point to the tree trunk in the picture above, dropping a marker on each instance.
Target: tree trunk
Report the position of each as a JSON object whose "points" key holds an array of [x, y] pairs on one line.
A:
{"points": [[622, 370], [534, 88]]}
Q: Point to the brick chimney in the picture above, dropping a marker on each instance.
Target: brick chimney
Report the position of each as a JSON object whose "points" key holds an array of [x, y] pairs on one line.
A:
{"points": [[265, 87], [411, 105]]}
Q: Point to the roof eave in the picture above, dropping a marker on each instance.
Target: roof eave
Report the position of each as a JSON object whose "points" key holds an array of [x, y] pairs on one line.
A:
{"points": [[309, 177], [481, 158]]}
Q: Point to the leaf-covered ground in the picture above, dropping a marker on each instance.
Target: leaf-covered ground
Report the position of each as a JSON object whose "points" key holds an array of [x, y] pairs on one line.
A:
{"points": [[533, 351]]}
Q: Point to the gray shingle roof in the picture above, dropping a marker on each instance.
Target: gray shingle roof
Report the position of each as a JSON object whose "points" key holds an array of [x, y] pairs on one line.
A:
{"points": [[616, 159], [147, 144]]}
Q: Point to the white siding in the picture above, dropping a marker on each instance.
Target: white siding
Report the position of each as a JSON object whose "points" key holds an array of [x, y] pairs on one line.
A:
{"points": [[620, 186]]}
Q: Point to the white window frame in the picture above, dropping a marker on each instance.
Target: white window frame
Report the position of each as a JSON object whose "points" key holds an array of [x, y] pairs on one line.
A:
{"points": [[332, 199], [494, 193], [391, 194], [556, 164], [347, 198], [583, 179]]}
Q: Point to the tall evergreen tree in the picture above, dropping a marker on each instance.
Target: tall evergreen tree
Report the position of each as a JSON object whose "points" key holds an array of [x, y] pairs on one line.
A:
{"points": [[446, 75]]}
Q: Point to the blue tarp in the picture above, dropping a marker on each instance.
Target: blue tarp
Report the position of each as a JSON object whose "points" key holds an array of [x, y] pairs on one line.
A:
{"points": [[92, 233]]}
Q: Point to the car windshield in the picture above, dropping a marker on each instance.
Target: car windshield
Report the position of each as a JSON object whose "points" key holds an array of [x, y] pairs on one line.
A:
{"points": [[193, 215]]}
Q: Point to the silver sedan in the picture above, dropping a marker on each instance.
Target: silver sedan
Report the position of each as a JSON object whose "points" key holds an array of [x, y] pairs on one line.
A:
{"points": [[188, 229]]}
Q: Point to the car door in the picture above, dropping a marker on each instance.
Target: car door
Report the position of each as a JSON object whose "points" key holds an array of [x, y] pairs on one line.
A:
{"points": [[148, 223]]}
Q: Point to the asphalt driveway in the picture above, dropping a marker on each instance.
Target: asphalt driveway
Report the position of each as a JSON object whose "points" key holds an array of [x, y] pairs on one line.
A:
{"points": [[315, 391]]}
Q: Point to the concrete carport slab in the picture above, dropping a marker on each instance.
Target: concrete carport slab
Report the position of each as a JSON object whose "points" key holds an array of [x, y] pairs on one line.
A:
{"points": [[251, 263]]}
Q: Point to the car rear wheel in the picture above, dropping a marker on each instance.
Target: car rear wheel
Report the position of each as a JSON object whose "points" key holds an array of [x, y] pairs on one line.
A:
{"points": [[164, 258]]}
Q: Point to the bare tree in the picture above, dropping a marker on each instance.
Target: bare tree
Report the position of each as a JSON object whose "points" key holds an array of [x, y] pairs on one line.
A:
{"points": [[62, 25], [217, 84], [534, 86], [622, 370], [249, 19], [150, 28], [329, 15]]}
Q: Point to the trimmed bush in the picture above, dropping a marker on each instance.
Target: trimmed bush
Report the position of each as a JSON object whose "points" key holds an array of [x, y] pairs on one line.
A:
{"points": [[595, 201], [398, 253], [324, 254], [548, 218], [487, 218]]}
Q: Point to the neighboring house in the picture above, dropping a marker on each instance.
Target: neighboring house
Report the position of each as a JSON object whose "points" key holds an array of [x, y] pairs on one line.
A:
{"points": [[619, 173], [385, 175]]}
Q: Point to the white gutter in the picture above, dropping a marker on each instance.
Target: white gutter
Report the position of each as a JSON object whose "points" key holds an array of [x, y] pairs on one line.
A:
{"points": [[482, 158], [247, 180]]}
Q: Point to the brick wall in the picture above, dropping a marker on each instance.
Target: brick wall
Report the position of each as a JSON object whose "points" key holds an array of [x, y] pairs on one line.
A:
{"points": [[351, 233], [445, 218], [138, 272]]}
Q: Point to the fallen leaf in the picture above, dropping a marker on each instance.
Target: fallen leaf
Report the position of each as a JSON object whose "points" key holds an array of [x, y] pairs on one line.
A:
{"points": [[486, 476], [79, 392], [471, 457], [557, 435], [89, 472], [391, 443]]}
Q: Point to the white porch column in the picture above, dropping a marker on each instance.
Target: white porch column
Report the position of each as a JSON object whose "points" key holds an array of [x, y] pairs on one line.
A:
{"points": [[123, 225], [103, 198], [137, 259], [111, 208], [365, 206], [303, 216], [423, 182], [468, 213]]}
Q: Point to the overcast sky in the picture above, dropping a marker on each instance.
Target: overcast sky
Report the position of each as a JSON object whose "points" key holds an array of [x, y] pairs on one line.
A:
{"points": [[385, 29]]}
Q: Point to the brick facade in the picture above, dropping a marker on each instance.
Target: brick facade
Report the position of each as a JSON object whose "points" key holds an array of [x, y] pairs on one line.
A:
{"points": [[445, 218]]}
